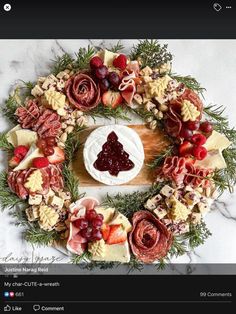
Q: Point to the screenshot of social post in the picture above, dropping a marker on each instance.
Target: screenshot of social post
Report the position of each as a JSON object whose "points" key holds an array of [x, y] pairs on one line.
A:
{"points": [[118, 155]]}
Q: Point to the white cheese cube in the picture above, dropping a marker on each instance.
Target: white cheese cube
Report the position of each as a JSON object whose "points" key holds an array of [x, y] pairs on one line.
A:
{"points": [[167, 191], [57, 202], [35, 199], [160, 212]]}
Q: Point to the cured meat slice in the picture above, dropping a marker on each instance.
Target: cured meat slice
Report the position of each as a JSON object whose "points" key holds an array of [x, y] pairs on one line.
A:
{"points": [[127, 87], [149, 239], [82, 92], [28, 115], [76, 243]]}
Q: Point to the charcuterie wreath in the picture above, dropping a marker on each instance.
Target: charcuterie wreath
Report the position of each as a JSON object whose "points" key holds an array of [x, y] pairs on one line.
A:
{"points": [[183, 151]]}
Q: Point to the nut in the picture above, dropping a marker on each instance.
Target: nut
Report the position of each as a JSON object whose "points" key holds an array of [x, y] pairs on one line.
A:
{"points": [[149, 106], [67, 203], [155, 112], [208, 192], [69, 129], [63, 137], [149, 119], [81, 121], [61, 145], [153, 125], [70, 121], [160, 115], [79, 113], [63, 125], [163, 108], [138, 98]]}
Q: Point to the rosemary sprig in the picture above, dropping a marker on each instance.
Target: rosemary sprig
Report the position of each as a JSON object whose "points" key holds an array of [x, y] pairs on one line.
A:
{"points": [[134, 264], [83, 57], [62, 62], [179, 247], [10, 106], [71, 182], [118, 113], [117, 47], [197, 234], [157, 162], [38, 236], [190, 82], [72, 144], [150, 53], [8, 199], [78, 259], [27, 87], [4, 144], [129, 203]]}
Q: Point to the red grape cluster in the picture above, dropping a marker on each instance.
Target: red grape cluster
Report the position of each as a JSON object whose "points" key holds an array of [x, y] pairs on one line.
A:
{"points": [[46, 145], [90, 225], [105, 78]]}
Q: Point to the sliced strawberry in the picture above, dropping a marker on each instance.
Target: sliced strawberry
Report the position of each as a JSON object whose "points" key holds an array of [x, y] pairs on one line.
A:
{"points": [[14, 161], [105, 231], [20, 151], [117, 234], [112, 99], [40, 162], [57, 157], [185, 148]]}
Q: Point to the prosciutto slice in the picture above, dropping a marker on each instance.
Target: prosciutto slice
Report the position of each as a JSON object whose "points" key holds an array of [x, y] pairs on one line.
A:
{"points": [[149, 239], [76, 243], [127, 87]]}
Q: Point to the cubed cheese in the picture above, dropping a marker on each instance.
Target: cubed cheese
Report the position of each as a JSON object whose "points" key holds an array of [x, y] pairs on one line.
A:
{"points": [[192, 198], [121, 219], [178, 210], [107, 213], [167, 191], [160, 212], [115, 253], [203, 207], [11, 135], [26, 137], [56, 202], [35, 199], [26, 162], [217, 141]]}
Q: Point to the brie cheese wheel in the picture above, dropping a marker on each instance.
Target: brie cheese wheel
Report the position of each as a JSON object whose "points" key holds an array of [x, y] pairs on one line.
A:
{"points": [[132, 144]]}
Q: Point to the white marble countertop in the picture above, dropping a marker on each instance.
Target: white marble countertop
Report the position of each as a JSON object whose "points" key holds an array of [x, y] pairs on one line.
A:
{"points": [[212, 62]]}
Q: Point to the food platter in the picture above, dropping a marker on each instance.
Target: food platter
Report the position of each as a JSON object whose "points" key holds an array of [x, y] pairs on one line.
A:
{"points": [[180, 152]]}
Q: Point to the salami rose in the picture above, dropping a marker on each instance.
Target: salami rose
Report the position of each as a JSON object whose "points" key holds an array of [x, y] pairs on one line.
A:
{"points": [[149, 239], [82, 92]]}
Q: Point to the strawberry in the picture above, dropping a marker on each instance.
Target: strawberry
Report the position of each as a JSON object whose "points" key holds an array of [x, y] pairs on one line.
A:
{"points": [[96, 62], [105, 231], [20, 151], [198, 139], [120, 62], [112, 99], [40, 162], [57, 157], [185, 148], [117, 234], [199, 152], [14, 161]]}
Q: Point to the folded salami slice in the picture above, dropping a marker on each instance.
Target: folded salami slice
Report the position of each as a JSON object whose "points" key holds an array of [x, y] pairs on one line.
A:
{"points": [[149, 239]]}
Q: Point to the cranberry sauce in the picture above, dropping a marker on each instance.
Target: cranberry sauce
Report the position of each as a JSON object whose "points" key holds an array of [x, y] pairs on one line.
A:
{"points": [[113, 158]]}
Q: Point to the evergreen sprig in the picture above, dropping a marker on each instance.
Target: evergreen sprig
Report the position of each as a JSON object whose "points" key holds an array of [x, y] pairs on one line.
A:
{"points": [[62, 62], [129, 203], [4, 144], [118, 113], [117, 47], [83, 57], [8, 199], [158, 160], [40, 237], [190, 82], [10, 106], [151, 53], [197, 235]]}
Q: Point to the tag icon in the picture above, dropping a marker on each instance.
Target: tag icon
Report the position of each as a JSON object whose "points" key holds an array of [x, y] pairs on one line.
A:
{"points": [[217, 7]]}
